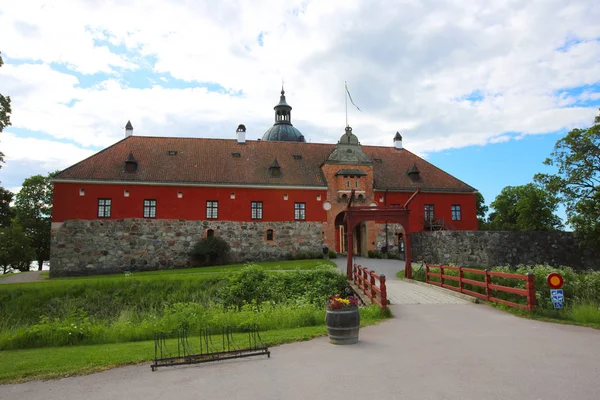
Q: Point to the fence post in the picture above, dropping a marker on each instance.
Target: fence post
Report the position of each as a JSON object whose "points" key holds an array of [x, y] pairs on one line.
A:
{"points": [[426, 273], [461, 285], [441, 276], [530, 287], [354, 271], [383, 289], [488, 281], [372, 285]]}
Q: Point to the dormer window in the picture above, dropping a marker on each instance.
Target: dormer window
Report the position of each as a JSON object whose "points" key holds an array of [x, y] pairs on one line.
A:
{"points": [[275, 169], [172, 152], [131, 164], [414, 173]]}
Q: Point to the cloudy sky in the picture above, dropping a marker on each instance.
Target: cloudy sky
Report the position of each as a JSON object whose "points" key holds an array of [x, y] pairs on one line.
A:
{"points": [[482, 89]]}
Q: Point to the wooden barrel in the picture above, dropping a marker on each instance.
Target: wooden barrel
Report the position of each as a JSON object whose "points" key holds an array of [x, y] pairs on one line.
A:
{"points": [[343, 325]]}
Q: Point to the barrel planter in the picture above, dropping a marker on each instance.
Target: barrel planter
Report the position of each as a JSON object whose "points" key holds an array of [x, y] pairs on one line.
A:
{"points": [[343, 325]]}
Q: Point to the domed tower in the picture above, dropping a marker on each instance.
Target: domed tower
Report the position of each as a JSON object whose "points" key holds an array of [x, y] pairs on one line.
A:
{"points": [[283, 130]]}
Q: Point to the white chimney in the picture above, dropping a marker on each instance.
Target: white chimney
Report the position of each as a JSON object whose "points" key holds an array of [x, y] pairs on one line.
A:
{"points": [[398, 141], [241, 134], [128, 129]]}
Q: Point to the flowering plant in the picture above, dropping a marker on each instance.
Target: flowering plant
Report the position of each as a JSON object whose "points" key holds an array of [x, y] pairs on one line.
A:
{"points": [[338, 303]]}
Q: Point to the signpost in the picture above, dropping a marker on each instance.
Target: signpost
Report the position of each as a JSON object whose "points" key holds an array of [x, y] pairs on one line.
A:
{"points": [[556, 281]]}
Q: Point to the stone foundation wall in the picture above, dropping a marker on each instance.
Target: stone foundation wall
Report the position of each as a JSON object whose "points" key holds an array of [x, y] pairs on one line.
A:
{"points": [[488, 249], [82, 247]]}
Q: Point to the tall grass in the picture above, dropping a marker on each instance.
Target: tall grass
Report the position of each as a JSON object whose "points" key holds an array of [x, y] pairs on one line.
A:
{"points": [[113, 310]]}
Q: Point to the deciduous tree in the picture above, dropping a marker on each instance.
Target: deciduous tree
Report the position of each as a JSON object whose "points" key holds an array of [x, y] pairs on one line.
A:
{"points": [[34, 212], [524, 208], [482, 210], [15, 251], [6, 213], [577, 182]]}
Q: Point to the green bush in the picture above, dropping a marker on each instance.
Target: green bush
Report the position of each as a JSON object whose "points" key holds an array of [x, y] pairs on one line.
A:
{"points": [[210, 251], [332, 254], [374, 254]]}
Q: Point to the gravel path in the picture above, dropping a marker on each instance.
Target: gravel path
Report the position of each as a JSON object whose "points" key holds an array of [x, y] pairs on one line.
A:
{"points": [[31, 276]]}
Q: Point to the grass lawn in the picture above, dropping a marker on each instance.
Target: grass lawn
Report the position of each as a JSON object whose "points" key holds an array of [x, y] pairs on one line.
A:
{"points": [[298, 265], [56, 362], [69, 326]]}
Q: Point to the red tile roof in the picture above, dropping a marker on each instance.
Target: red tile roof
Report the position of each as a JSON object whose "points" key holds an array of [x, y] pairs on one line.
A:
{"points": [[213, 161]]}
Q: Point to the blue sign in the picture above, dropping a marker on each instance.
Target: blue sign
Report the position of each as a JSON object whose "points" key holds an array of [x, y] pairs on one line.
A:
{"points": [[558, 297]]}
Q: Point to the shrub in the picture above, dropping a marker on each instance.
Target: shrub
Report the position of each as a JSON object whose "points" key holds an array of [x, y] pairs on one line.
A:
{"points": [[332, 254], [374, 254], [210, 251]]}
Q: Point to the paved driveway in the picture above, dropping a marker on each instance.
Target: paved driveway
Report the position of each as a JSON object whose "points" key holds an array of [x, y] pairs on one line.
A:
{"points": [[441, 351], [387, 267]]}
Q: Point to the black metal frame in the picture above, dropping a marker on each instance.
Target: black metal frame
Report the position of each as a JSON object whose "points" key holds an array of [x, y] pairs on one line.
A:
{"points": [[205, 350]]}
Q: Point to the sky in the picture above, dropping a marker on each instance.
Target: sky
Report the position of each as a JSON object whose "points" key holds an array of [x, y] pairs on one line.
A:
{"points": [[482, 89]]}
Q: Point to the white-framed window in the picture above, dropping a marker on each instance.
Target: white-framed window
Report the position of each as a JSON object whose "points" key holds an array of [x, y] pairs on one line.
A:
{"points": [[212, 209], [257, 209], [149, 208], [104, 206], [299, 211]]}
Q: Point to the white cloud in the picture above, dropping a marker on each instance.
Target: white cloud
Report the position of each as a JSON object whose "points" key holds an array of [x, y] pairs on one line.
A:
{"points": [[410, 66]]}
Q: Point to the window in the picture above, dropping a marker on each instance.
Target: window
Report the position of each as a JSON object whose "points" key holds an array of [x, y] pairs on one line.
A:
{"points": [[429, 212], [104, 208], [347, 184], [269, 235], [149, 208], [456, 212], [212, 209], [210, 233], [299, 211], [356, 184], [257, 209]]}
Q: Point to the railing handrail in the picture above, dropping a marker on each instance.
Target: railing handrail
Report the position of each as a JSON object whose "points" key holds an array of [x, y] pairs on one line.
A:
{"points": [[528, 292], [366, 280]]}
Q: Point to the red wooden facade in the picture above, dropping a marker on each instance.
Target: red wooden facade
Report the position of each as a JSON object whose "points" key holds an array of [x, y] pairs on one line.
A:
{"points": [[234, 203]]}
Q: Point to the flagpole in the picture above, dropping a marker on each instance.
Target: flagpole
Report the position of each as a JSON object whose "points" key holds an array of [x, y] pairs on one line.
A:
{"points": [[346, 99]]}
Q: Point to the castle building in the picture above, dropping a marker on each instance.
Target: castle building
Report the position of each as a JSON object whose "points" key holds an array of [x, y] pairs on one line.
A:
{"points": [[143, 202]]}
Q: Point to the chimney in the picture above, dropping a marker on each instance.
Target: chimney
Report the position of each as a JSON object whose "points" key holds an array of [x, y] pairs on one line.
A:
{"points": [[241, 134], [128, 129], [398, 141]]}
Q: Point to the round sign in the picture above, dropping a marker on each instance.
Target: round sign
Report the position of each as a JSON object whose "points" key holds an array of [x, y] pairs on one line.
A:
{"points": [[555, 281], [326, 206]]}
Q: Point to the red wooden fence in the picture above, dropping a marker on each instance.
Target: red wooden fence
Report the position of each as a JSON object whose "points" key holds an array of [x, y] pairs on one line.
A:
{"points": [[367, 281], [528, 292]]}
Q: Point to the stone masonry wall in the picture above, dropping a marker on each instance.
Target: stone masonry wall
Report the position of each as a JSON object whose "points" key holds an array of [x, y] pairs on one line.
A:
{"points": [[86, 247], [488, 249]]}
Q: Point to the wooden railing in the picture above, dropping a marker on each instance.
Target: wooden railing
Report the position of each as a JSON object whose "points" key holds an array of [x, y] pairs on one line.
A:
{"points": [[367, 282], [528, 292]]}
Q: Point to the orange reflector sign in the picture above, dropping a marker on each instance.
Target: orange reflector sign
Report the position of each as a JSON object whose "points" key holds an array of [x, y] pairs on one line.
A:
{"points": [[555, 281]]}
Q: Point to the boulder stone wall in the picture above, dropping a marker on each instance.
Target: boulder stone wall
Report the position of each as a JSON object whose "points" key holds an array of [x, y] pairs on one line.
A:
{"points": [[493, 248], [90, 247]]}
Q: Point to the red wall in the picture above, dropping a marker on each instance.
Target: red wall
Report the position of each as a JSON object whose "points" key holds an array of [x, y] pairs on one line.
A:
{"points": [[442, 204], [68, 204]]}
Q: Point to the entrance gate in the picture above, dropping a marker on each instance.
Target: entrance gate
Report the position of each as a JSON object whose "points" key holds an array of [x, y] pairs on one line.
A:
{"points": [[356, 215]]}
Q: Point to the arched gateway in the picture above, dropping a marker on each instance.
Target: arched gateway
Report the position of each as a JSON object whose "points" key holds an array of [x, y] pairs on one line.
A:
{"points": [[358, 214]]}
